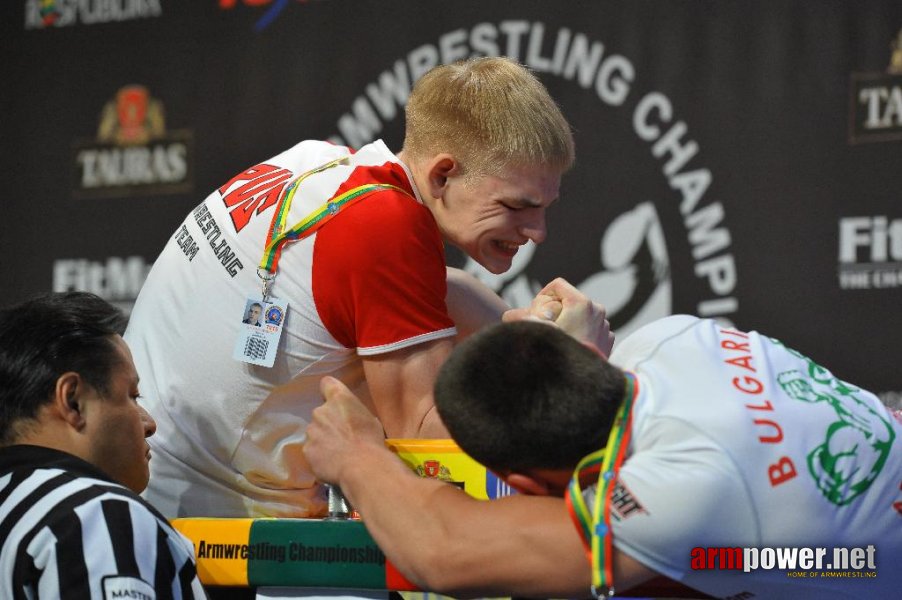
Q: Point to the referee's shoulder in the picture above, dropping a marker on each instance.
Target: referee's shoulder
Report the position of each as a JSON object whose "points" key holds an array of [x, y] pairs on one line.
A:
{"points": [[44, 495]]}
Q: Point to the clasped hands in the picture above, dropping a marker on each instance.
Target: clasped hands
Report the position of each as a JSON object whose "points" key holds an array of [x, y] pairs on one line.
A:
{"points": [[343, 428]]}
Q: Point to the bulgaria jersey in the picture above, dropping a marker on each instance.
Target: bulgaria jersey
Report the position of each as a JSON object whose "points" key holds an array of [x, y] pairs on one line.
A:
{"points": [[738, 441]]}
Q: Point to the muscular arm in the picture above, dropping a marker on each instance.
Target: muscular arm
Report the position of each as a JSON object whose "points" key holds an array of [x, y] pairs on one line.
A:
{"points": [[517, 545], [520, 545], [401, 388], [471, 304], [401, 382]]}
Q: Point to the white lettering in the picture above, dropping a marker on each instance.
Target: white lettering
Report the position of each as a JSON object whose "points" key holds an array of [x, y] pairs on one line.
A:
{"points": [[669, 144], [575, 57], [483, 39], [116, 279], [514, 31], [705, 239], [879, 235], [871, 97], [560, 50], [583, 60], [391, 91], [534, 56], [654, 101], [138, 165], [692, 186], [421, 60], [721, 273], [64, 13], [882, 115], [452, 46], [652, 113], [852, 235], [614, 77]]}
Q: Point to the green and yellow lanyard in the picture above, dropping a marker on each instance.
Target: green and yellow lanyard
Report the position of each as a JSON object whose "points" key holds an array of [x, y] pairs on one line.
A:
{"points": [[278, 235], [595, 527]]}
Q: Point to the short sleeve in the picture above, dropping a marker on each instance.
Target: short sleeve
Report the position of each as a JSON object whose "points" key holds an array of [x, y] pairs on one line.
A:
{"points": [[677, 492], [379, 275]]}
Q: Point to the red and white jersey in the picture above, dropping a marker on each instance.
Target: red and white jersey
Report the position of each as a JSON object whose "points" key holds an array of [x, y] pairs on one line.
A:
{"points": [[370, 281], [741, 442]]}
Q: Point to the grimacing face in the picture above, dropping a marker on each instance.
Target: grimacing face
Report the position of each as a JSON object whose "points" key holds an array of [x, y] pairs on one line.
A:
{"points": [[491, 216], [117, 425]]}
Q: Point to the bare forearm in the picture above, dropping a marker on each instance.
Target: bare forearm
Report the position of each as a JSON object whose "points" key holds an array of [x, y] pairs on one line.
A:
{"points": [[520, 546], [471, 304], [515, 546], [396, 507]]}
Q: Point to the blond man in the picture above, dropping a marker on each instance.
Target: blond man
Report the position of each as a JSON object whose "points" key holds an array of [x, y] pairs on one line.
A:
{"points": [[360, 292]]}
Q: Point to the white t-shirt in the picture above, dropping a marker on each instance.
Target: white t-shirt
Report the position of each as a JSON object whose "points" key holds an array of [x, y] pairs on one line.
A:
{"points": [[738, 441], [372, 280]]}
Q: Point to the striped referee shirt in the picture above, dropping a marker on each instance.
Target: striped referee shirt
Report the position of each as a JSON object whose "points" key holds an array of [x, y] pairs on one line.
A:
{"points": [[69, 531]]}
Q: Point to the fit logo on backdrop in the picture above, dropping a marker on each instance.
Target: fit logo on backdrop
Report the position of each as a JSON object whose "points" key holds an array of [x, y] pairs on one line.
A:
{"points": [[117, 279], [133, 153], [42, 14], [876, 100], [870, 253], [632, 273]]}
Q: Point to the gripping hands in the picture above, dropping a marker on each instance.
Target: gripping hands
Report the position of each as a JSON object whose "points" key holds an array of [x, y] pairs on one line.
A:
{"points": [[560, 304]]}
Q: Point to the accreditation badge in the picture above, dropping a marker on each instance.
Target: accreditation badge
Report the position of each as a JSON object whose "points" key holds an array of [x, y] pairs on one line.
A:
{"points": [[260, 330]]}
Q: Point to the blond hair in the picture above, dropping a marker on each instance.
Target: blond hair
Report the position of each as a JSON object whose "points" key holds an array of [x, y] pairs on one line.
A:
{"points": [[489, 113]]}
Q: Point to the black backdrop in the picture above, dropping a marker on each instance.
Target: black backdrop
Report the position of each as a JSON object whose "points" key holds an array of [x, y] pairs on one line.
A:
{"points": [[735, 159]]}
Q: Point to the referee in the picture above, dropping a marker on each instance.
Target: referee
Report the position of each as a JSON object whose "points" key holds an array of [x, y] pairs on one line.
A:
{"points": [[73, 458]]}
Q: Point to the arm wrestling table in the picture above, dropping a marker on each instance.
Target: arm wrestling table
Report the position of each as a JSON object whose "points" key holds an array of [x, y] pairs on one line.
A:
{"points": [[322, 553]]}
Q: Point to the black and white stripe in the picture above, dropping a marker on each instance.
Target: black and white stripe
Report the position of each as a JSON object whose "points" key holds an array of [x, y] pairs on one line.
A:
{"points": [[67, 535]]}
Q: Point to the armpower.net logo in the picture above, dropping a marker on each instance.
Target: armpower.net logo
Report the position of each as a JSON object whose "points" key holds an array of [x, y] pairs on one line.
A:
{"points": [[797, 562]]}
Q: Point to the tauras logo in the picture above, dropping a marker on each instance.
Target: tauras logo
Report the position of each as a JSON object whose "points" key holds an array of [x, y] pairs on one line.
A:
{"points": [[133, 153], [870, 252], [632, 279], [876, 100]]}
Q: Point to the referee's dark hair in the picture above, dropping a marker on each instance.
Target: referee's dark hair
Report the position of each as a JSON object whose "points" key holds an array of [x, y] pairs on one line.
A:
{"points": [[42, 338], [523, 395]]}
